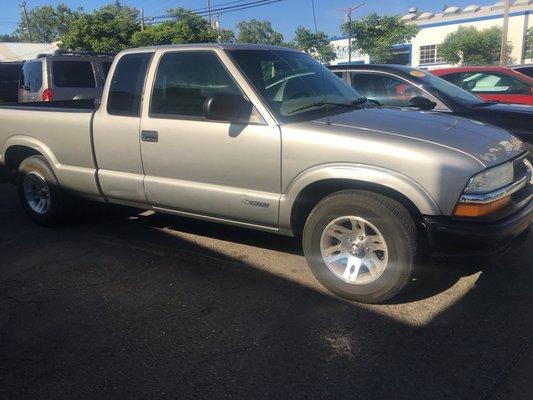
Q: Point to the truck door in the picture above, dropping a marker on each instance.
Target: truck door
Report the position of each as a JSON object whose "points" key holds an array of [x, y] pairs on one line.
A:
{"points": [[116, 131], [201, 167]]}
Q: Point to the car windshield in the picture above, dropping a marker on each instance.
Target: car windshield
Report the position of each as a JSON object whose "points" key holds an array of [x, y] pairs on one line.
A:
{"points": [[296, 87], [445, 90]]}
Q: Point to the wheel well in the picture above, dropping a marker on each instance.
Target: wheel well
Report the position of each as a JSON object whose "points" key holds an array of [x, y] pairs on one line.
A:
{"points": [[16, 154], [309, 197]]}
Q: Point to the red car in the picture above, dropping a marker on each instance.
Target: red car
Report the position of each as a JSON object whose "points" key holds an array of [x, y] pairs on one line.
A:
{"points": [[491, 83]]}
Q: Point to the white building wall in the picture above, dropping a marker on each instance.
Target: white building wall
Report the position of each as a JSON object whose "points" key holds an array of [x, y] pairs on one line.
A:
{"points": [[435, 28]]}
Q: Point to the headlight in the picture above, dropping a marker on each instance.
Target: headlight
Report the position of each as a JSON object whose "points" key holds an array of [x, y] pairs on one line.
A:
{"points": [[491, 179]]}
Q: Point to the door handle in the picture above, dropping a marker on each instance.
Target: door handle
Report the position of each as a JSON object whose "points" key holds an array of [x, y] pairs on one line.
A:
{"points": [[149, 136]]}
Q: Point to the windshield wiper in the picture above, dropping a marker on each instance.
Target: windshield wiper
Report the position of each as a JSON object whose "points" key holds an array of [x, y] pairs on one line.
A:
{"points": [[353, 104]]}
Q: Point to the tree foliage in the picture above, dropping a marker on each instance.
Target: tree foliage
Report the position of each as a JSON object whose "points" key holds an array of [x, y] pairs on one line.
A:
{"points": [[375, 35], [47, 23], [470, 46], [260, 32], [8, 38], [109, 28], [187, 27], [315, 44]]}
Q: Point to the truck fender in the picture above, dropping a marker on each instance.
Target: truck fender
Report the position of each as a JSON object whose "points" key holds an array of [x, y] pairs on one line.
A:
{"points": [[409, 188], [28, 141]]}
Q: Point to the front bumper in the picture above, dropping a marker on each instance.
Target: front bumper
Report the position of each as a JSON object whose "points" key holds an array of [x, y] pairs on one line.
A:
{"points": [[452, 233]]}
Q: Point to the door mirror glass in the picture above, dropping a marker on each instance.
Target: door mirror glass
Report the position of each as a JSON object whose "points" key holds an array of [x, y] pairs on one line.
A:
{"points": [[228, 107], [422, 103]]}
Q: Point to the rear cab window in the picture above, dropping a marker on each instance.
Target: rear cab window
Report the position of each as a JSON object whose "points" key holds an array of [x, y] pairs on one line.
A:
{"points": [[31, 78], [73, 74], [127, 85]]}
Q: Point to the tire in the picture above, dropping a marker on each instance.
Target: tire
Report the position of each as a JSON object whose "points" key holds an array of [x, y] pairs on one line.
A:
{"points": [[37, 182], [382, 235]]}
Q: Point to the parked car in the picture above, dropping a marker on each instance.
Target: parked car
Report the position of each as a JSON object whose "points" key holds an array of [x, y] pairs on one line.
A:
{"points": [[267, 138], [526, 69], [64, 76], [403, 86], [9, 81], [491, 83]]}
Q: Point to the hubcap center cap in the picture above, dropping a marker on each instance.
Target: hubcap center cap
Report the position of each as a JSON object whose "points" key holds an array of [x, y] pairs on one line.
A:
{"points": [[357, 250]]}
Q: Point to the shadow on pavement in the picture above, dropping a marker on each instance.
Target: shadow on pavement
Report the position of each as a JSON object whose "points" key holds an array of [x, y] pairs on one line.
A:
{"points": [[118, 308]]}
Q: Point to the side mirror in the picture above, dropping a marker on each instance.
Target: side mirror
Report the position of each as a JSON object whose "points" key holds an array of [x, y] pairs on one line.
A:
{"points": [[422, 103], [228, 107]]}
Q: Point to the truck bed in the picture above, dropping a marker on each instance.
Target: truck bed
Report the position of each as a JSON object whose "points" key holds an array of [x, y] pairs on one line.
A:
{"points": [[62, 132]]}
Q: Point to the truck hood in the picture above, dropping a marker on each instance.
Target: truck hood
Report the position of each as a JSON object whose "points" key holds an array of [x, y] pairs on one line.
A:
{"points": [[486, 143]]}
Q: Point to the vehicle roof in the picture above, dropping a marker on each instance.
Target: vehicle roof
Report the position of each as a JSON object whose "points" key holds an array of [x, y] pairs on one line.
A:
{"points": [[506, 70], [211, 46], [477, 68], [374, 67]]}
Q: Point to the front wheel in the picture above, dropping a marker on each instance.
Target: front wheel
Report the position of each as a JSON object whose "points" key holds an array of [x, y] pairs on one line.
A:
{"points": [[360, 245]]}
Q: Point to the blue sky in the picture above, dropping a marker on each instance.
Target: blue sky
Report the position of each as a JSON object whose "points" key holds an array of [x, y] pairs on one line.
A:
{"points": [[285, 16]]}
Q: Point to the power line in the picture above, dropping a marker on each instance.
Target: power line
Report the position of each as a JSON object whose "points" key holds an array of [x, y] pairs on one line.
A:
{"points": [[222, 10]]}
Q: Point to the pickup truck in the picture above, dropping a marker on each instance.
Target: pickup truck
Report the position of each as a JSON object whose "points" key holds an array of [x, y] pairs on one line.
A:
{"points": [[267, 138]]}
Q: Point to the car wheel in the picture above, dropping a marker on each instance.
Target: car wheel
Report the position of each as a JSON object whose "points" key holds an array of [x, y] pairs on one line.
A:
{"points": [[361, 245], [40, 193]]}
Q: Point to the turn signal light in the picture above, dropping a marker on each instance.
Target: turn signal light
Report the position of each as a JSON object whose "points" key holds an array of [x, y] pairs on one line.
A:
{"points": [[480, 209], [47, 95]]}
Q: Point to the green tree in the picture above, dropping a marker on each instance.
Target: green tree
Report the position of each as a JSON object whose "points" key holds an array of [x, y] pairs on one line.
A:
{"points": [[109, 28], [470, 46], [375, 35], [315, 44], [8, 38], [47, 23], [260, 32], [187, 27]]}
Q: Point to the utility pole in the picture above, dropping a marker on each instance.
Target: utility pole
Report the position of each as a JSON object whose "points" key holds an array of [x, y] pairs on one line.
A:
{"points": [[209, 12], [348, 12], [314, 15], [142, 19], [505, 30], [26, 20]]}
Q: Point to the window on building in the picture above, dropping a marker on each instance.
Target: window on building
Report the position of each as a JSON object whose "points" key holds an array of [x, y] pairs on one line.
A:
{"points": [[528, 53], [430, 55]]}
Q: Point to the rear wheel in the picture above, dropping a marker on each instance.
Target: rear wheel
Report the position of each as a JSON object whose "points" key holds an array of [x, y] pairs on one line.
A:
{"points": [[39, 192], [360, 245]]}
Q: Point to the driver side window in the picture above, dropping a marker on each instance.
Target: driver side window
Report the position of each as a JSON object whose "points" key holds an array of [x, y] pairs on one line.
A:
{"points": [[185, 79], [386, 89]]}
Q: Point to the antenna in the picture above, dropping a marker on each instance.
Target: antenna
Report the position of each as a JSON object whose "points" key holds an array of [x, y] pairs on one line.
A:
{"points": [[348, 12]]}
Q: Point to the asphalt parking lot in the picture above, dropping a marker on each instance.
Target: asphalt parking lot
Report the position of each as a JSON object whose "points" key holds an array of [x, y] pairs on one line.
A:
{"points": [[128, 305]]}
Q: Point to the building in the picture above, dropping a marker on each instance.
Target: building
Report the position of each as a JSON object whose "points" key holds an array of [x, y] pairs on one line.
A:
{"points": [[12, 51], [423, 51]]}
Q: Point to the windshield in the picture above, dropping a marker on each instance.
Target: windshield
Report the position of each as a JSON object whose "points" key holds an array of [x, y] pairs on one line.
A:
{"points": [[442, 88], [296, 87]]}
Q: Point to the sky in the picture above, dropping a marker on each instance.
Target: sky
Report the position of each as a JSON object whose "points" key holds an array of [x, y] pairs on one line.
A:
{"points": [[285, 16]]}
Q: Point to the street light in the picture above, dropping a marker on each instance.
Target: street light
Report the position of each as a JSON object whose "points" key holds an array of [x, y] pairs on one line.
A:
{"points": [[348, 12]]}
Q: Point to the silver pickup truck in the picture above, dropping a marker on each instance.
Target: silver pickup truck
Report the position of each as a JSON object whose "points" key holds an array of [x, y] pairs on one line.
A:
{"points": [[266, 138]]}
